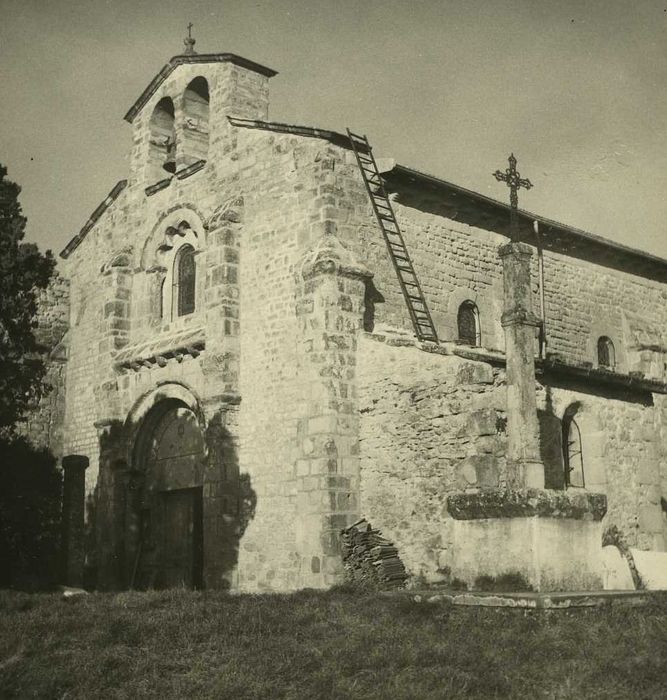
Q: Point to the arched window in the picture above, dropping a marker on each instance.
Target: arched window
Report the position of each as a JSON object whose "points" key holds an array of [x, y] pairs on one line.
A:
{"points": [[162, 141], [177, 244], [606, 353], [195, 122], [184, 281], [573, 459], [468, 324]]}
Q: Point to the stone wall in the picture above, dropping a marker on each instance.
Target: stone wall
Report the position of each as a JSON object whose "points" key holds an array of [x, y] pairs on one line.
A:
{"points": [[584, 301], [268, 357], [256, 208], [623, 456], [433, 423]]}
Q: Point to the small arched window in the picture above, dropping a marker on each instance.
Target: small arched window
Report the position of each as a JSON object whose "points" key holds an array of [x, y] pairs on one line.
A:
{"points": [[573, 457], [606, 353], [184, 281], [468, 324]]}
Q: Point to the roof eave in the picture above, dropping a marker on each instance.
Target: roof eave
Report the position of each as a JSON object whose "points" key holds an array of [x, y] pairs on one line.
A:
{"points": [[184, 59], [404, 171]]}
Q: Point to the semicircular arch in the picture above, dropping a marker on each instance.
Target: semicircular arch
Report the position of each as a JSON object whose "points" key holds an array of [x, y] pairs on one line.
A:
{"points": [[171, 219]]}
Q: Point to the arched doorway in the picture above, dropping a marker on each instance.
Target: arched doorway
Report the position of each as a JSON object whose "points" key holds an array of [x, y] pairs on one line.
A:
{"points": [[169, 461]]}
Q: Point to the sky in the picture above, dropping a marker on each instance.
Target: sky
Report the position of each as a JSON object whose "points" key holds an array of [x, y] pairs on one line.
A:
{"points": [[577, 90]]}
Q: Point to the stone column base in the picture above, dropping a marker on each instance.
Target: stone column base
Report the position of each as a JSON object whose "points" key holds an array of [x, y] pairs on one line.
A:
{"points": [[552, 539]]}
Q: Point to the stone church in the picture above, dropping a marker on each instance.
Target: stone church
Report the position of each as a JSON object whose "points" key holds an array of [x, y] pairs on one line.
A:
{"points": [[255, 361]]}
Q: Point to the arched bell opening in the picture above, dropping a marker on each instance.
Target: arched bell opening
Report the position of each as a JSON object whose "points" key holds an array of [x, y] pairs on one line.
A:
{"points": [[165, 517], [195, 123], [162, 141]]}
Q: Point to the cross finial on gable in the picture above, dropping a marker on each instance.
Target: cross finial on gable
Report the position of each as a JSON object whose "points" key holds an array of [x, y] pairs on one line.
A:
{"points": [[189, 41]]}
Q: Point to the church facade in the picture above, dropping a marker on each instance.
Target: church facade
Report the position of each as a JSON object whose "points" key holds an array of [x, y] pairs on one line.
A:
{"points": [[243, 379]]}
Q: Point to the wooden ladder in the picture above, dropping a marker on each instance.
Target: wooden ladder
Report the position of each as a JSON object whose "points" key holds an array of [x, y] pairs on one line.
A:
{"points": [[384, 213]]}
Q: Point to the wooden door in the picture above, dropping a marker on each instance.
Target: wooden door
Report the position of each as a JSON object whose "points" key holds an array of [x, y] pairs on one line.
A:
{"points": [[180, 559]]}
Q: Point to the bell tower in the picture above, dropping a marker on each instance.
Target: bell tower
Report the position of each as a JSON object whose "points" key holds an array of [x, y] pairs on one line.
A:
{"points": [[180, 119]]}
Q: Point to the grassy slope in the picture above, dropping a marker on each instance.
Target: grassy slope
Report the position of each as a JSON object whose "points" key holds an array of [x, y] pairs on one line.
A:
{"points": [[181, 644]]}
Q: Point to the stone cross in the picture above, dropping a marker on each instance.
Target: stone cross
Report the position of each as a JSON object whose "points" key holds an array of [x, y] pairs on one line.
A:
{"points": [[189, 41], [514, 181]]}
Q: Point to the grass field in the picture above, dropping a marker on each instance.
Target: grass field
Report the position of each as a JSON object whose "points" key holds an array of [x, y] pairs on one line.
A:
{"points": [[180, 644]]}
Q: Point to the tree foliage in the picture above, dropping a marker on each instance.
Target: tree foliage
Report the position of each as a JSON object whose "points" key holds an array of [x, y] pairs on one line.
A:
{"points": [[30, 491], [24, 270]]}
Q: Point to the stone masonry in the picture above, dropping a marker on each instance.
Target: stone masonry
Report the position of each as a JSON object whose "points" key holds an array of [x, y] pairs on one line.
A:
{"points": [[298, 368]]}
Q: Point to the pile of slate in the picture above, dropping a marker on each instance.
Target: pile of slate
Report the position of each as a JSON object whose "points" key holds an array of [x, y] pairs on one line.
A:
{"points": [[370, 560]]}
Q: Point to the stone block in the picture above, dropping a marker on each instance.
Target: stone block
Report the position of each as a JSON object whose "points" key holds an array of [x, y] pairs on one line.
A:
{"points": [[652, 569], [474, 373], [648, 472], [481, 422], [481, 470], [650, 518], [551, 554], [323, 424]]}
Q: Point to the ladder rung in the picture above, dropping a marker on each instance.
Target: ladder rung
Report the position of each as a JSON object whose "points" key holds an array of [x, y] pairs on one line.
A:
{"points": [[356, 136]]}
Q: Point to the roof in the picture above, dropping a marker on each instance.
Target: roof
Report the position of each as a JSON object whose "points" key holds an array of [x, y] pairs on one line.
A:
{"points": [[183, 59], [94, 217]]}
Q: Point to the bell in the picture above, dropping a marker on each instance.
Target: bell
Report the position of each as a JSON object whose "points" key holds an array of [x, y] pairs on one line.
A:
{"points": [[170, 166]]}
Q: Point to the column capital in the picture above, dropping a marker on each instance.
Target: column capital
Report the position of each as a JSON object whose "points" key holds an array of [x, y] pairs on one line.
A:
{"points": [[74, 462], [516, 249]]}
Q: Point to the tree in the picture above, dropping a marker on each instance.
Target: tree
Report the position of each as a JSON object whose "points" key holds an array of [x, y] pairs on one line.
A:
{"points": [[24, 270], [30, 493]]}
